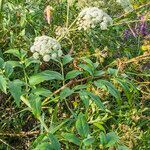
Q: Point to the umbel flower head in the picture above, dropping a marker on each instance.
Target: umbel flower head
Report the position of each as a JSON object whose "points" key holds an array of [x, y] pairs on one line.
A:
{"points": [[126, 4], [91, 17], [46, 47]]}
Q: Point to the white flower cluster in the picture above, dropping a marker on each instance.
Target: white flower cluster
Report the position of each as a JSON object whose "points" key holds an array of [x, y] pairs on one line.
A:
{"points": [[91, 17], [126, 4], [46, 48]]}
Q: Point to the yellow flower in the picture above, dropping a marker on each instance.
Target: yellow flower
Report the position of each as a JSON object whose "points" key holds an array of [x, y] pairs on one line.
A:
{"points": [[144, 47]]}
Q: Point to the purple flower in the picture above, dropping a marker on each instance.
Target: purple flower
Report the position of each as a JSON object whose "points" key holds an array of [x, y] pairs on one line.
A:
{"points": [[140, 29]]}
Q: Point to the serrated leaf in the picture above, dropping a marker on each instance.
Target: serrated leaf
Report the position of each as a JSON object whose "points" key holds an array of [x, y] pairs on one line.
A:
{"points": [[44, 76], [82, 126], [3, 84], [72, 138], [73, 74], [67, 59]]}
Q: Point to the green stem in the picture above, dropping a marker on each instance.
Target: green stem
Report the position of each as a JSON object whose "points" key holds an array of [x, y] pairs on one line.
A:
{"points": [[62, 71], [67, 21], [43, 124], [26, 78]]}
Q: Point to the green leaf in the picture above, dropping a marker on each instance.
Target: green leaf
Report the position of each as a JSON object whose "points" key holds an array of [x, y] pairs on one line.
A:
{"points": [[99, 125], [87, 68], [15, 64], [82, 126], [98, 73], [85, 98], [15, 88], [8, 69], [44, 146], [79, 87], [88, 141], [1, 63], [125, 87], [110, 87], [14, 52], [112, 138], [54, 142], [44, 76], [103, 139], [97, 101], [65, 93], [89, 62], [73, 74], [38, 140], [30, 61], [72, 138], [46, 142], [67, 59], [112, 71], [41, 92], [54, 129], [35, 102], [3, 84]]}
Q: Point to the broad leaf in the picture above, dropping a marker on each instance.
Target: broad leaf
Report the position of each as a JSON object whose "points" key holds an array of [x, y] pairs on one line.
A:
{"points": [[8, 69], [87, 68], [112, 138], [65, 93], [85, 98], [72, 138], [110, 87], [88, 141], [44, 76], [67, 59], [82, 126], [14, 52], [35, 102], [73, 74], [15, 88]]}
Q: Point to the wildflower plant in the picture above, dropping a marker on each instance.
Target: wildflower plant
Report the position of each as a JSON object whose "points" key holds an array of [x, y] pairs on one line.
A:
{"points": [[65, 84]]}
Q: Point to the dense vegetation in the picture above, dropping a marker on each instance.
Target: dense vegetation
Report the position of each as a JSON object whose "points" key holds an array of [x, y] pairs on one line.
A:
{"points": [[74, 74]]}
